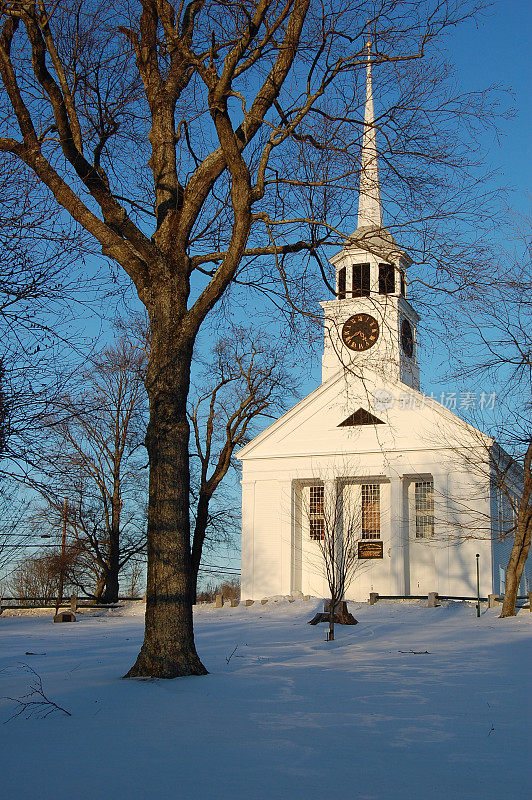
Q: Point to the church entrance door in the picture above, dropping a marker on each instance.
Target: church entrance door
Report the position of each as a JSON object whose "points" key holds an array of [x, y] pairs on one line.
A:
{"points": [[422, 567]]}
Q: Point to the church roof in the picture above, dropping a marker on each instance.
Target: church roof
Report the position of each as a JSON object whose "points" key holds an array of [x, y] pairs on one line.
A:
{"points": [[376, 240]]}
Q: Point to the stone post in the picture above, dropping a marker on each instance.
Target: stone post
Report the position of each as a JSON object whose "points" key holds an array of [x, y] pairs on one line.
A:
{"points": [[493, 600], [432, 600], [218, 603], [73, 603], [373, 598]]}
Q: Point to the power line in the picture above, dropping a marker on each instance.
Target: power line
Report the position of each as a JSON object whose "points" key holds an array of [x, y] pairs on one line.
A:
{"points": [[219, 572], [215, 566]]}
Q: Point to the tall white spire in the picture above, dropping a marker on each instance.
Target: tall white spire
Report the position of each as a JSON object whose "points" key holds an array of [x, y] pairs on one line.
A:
{"points": [[369, 201]]}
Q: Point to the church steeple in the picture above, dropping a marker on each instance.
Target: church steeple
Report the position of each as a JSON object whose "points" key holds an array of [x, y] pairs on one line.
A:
{"points": [[370, 323], [369, 202]]}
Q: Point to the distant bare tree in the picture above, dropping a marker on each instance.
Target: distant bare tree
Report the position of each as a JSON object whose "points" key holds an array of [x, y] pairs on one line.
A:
{"points": [[496, 352], [248, 380], [133, 578], [230, 589], [94, 457], [36, 579], [499, 335]]}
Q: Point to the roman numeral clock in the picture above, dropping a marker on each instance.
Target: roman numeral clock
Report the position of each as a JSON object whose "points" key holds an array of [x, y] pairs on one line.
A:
{"points": [[360, 332]]}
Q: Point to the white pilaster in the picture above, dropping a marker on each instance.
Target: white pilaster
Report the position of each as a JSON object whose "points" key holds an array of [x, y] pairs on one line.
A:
{"points": [[285, 528], [399, 535], [247, 540], [441, 533]]}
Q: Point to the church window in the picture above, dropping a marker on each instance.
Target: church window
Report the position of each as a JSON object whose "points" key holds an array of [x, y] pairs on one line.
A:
{"points": [[403, 282], [317, 520], [317, 529], [424, 509], [341, 284], [371, 511], [361, 285], [386, 279]]}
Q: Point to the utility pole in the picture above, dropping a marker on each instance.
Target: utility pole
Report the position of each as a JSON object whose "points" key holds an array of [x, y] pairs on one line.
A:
{"points": [[59, 598]]}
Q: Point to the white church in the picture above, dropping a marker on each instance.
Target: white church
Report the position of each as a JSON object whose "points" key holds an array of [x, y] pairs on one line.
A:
{"points": [[406, 482]]}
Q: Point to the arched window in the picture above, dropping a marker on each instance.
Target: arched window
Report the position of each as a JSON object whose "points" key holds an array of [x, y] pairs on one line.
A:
{"points": [[361, 280], [341, 284], [386, 279]]}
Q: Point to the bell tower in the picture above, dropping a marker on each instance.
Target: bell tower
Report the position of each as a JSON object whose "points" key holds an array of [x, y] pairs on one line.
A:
{"points": [[371, 323]]}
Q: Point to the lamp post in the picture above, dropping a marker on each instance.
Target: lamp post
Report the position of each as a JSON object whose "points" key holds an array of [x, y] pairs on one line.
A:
{"points": [[478, 586]]}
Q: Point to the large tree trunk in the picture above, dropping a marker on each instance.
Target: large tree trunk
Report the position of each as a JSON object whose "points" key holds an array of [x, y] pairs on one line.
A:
{"points": [[168, 650], [521, 545], [514, 571]]}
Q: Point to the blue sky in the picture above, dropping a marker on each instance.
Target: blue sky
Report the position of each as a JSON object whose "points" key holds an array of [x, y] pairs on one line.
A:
{"points": [[496, 50]]}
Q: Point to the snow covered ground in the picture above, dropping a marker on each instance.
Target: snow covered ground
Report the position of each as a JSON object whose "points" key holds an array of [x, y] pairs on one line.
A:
{"points": [[290, 715]]}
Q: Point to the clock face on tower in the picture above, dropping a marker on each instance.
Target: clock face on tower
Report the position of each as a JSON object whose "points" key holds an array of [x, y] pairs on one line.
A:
{"points": [[360, 332]]}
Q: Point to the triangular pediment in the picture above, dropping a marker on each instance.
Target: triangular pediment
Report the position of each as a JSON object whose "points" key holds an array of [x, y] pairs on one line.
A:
{"points": [[311, 427], [360, 417]]}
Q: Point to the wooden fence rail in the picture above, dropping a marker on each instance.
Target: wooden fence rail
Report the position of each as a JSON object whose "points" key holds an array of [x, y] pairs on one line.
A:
{"points": [[79, 601]]}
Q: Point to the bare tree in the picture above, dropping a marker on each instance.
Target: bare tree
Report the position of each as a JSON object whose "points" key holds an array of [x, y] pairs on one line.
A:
{"points": [[230, 589], [94, 457], [247, 115], [133, 577], [36, 579], [247, 380], [39, 282], [499, 337], [516, 496], [337, 525]]}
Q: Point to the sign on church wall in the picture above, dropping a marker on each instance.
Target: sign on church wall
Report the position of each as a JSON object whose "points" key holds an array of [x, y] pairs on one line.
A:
{"points": [[370, 549]]}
